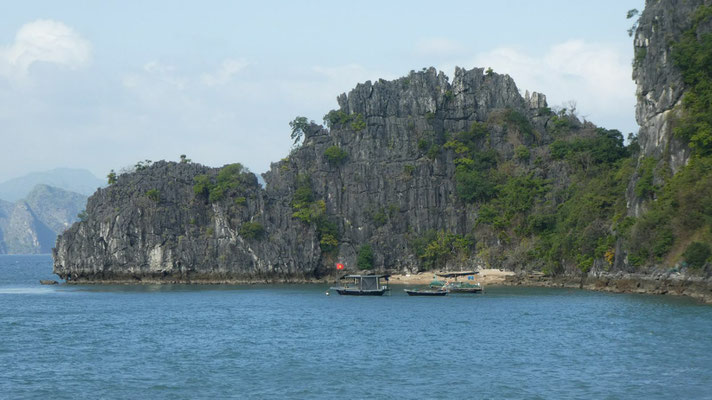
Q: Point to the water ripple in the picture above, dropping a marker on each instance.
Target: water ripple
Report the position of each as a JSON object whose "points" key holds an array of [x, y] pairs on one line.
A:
{"points": [[185, 342]]}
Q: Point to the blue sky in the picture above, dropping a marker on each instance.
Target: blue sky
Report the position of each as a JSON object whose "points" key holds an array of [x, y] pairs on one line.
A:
{"points": [[101, 85]]}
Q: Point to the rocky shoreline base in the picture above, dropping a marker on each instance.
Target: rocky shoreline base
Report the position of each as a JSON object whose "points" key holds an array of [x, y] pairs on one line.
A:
{"points": [[697, 287]]}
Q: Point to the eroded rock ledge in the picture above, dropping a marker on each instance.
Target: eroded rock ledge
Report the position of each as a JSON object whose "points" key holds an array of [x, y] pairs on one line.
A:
{"points": [[697, 287]]}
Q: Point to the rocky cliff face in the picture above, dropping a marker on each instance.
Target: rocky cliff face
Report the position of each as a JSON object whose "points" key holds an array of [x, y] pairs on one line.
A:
{"points": [[660, 86], [388, 190], [152, 225], [386, 181], [31, 225], [415, 173]]}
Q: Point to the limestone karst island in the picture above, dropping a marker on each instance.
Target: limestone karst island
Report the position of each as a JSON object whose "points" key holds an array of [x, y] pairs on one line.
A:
{"points": [[430, 172], [360, 200]]}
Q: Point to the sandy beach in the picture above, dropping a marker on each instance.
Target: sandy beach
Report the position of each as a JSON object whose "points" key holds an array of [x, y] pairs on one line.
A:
{"points": [[490, 276]]}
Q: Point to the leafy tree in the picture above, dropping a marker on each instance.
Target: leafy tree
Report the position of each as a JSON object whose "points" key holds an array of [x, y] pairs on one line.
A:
{"points": [[365, 257], [522, 153], [111, 177], [339, 118], [298, 126], [518, 120], [692, 54], [358, 124], [184, 159], [230, 178], [473, 185], [630, 14], [444, 246], [141, 165], [645, 187], [328, 242], [303, 194], [335, 155], [252, 230], [202, 185], [154, 195], [697, 254]]}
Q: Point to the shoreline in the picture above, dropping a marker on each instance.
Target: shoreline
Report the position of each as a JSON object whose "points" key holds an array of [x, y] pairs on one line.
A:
{"points": [[698, 288], [488, 276]]}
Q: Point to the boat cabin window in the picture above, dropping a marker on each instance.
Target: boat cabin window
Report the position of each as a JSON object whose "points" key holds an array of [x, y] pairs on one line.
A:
{"points": [[369, 283]]}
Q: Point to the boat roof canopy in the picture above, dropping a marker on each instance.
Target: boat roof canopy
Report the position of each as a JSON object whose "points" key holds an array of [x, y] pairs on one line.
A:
{"points": [[372, 276], [459, 273]]}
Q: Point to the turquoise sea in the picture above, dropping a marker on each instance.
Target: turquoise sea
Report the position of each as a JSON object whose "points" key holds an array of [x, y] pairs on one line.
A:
{"points": [[292, 341]]}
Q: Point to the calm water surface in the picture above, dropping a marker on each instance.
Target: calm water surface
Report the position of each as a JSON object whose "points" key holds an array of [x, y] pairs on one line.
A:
{"points": [[180, 341]]}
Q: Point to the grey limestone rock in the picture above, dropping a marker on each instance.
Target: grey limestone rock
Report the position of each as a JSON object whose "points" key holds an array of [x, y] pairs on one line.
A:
{"points": [[385, 193], [660, 87]]}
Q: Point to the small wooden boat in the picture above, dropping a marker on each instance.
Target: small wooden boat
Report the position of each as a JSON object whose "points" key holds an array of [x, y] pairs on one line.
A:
{"points": [[425, 292], [463, 287], [363, 285]]}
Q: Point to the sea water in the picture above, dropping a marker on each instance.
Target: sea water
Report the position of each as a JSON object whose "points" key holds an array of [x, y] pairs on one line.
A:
{"points": [[293, 341]]}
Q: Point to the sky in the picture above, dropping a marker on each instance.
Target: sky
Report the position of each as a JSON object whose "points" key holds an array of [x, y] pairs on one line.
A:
{"points": [[102, 85]]}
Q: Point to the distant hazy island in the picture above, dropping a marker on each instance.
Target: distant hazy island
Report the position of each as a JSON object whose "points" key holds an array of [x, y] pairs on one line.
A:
{"points": [[424, 172], [30, 225], [38, 206]]}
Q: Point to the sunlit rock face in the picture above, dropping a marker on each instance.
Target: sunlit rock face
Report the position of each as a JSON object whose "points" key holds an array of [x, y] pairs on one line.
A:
{"points": [[660, 87], [388, 189]]}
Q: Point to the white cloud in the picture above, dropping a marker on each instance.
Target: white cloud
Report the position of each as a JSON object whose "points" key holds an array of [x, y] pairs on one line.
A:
{"points": [[44, 41], [155, 67], [595, 75], [166, 74], [224, 73], [438, 47]]}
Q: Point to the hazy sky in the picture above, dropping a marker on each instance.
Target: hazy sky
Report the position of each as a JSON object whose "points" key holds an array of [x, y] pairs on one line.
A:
{"points": [[103, 84]]}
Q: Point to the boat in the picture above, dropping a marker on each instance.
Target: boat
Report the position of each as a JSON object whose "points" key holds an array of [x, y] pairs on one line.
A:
{"points": [[363, 285], [426, 292], [462, 287], [436, 283]]}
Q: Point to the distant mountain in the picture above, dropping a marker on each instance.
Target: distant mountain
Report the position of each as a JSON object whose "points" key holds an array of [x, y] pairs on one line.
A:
{"points": [[31, 225], [74, 180], [5, 212]]}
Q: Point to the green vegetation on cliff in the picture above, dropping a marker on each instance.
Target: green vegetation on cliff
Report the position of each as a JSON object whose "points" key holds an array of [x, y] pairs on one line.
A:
{"points": [[338, 118], [678, 223], [252, 230], [311, 211], [680, 213], [335, 155], [508, 183], [550, 226], [230, 178], [693, 56], [365, 257]]}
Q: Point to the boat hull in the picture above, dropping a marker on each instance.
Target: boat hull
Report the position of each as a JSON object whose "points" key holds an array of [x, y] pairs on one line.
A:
{"points": [[356, 292], [426, 292], [465, 290]]}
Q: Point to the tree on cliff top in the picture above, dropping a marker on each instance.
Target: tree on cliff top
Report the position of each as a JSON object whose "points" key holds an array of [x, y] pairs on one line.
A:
{"points": [[298, 126]]}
